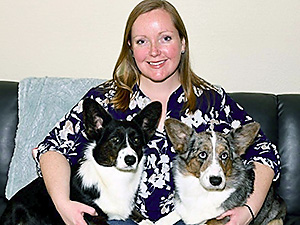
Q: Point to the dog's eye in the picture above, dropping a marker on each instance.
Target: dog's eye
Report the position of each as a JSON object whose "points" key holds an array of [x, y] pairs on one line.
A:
{"points": [[224, 156], [115, 139], [136, 140], [202, 155]]}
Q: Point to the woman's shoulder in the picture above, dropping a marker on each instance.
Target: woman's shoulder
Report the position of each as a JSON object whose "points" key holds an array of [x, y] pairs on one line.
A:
{"points": [[105, 90], [215, 97], [213, 92]]}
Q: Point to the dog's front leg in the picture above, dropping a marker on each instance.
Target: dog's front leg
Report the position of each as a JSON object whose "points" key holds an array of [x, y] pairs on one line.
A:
{"points": [[169, 219]]}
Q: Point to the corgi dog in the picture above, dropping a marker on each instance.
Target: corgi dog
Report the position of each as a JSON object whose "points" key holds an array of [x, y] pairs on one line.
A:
{"points": [[106, 178], [211, 177]]}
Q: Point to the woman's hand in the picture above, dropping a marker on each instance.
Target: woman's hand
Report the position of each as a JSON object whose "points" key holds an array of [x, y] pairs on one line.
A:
{"points": [[72, 212], [238, 216], [263, 180]]}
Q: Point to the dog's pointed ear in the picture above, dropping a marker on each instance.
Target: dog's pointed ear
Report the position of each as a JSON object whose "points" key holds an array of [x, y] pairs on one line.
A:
{"points": [[148, 118], [179, 134], [94, 117], [242, 137]]}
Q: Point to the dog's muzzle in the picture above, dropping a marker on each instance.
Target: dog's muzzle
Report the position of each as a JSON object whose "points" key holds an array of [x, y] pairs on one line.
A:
{"points": [[127, 159], [215, 180], [130, 160]]}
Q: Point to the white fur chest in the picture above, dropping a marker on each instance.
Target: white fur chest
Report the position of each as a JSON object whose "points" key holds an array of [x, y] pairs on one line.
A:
{"points": [[196, 204], [117, 188]]}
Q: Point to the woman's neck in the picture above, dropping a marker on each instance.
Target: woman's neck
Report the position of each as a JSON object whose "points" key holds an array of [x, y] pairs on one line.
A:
{"points": [[159, 91]]}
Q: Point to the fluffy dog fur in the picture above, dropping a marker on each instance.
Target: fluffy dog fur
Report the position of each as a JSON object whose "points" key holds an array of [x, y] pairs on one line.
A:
{"points": [[211, 177], [107, 177]]}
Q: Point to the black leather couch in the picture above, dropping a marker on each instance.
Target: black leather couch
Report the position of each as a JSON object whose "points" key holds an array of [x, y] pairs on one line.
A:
{"points": [[279, 116]]}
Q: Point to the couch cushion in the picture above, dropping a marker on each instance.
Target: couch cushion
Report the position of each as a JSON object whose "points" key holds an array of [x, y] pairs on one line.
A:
{"points": [[8, 121]]}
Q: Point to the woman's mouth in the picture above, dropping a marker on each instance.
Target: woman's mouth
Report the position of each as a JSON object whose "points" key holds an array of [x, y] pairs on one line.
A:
{"points": [[157, 64]]}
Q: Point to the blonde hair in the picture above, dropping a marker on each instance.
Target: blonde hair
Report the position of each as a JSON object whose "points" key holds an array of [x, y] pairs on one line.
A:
{"points": [[126, 74]]}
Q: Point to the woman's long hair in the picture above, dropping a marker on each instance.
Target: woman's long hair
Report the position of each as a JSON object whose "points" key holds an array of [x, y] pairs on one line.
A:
{"points": [[126, 74]]}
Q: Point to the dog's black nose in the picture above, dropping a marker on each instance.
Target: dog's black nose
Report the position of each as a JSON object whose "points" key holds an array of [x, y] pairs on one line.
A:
{"points": [[215, 181], [130, 160]]}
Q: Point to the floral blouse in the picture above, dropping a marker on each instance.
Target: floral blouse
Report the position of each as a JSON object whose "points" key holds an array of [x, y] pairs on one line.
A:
{"points": [[156, 191]]}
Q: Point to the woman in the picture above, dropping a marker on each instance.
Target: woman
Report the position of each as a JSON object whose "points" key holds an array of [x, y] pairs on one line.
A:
{"points": [[153, 65]]}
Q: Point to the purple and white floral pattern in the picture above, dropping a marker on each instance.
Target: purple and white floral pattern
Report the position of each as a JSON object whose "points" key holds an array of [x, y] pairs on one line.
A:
{"points": [[216, 110]]}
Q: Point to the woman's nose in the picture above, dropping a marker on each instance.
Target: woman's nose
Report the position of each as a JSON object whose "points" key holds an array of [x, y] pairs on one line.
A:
{"points": [[154, 49]]}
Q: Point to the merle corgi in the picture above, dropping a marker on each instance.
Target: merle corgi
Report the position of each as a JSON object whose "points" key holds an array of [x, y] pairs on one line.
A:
{"points": [[106, 178], [211, 177]]}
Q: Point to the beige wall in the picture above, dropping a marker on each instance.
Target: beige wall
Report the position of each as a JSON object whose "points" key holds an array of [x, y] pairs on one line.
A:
{"points": [[243, 45]]}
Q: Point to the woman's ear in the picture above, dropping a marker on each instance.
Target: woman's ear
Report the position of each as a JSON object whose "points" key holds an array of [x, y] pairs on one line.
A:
{"points": [[130, 48], [183, 45]]}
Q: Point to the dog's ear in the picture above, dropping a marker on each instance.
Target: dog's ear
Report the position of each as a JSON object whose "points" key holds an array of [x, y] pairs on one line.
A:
{"points": [[148, 119], [179, 134], [94, 117], [242, 137]]}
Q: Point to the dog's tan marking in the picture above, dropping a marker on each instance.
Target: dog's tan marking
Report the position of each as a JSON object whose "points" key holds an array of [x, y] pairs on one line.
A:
{"points": [[276, 222], [193, 167], [217, 222], [180, 147], [228, 168]]}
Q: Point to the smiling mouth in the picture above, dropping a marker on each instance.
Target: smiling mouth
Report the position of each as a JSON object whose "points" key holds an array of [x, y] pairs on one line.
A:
{"points": [[157, 63]]}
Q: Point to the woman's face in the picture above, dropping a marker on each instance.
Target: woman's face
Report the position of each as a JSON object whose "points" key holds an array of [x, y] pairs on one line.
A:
{"points": [[156, 45]]}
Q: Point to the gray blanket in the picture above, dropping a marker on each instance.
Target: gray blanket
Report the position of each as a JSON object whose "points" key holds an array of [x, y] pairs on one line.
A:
{"points": [[42, 103]]}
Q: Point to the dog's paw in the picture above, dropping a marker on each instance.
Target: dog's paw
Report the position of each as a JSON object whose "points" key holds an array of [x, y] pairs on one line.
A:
{"points": [[169, 219], [146, 222]]}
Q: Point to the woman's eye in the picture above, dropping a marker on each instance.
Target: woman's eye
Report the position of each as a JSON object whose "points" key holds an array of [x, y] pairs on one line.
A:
{"points": [[203, 155], [140, 42], [167, 38]]}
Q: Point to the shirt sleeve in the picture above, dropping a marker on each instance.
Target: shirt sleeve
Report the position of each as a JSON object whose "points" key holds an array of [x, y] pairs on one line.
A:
{"points": [[67, 137], [231, 115]]}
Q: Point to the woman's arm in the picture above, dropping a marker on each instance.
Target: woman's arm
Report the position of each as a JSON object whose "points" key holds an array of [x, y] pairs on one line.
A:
{"points": [[262, 152], [263, 180], [57, 179], [61, 148]]}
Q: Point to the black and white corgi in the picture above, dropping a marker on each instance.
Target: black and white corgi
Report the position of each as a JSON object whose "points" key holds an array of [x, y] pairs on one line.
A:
{"points": [[211, 177], [107, 177]]}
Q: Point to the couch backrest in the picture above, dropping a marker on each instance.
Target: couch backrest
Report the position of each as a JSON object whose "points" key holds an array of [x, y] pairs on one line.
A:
{"points": [[289, 148], [279, 117], [263, 108], [8, 122]]}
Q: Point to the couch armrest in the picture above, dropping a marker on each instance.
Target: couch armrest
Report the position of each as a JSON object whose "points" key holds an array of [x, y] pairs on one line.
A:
{"points": [[8, 124]]}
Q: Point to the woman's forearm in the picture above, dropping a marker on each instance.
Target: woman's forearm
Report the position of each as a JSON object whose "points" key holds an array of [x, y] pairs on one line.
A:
{"points": [[263, 179], [56, 173]]}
